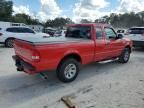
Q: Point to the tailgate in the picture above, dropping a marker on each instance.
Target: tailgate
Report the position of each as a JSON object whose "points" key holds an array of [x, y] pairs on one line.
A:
{"points": [[24, 49]]}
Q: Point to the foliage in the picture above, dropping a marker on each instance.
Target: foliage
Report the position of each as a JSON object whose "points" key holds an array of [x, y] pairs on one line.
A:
{"points": [[117, 20], [124, 20], [23, 18], [85, 21], [58, 22], [5, 10]]}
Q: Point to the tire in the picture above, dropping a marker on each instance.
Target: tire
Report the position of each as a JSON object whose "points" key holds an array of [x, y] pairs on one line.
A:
{"points": [[9, 43], [68, 70], [124, 57]]}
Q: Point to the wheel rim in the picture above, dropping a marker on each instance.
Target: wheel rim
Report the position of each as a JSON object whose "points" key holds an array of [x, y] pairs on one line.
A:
{"points": [[126, 55], [70, 71], [10, 43]]}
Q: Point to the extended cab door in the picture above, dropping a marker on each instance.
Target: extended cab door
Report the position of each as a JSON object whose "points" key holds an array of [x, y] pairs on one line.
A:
{"points": [[113, 46], [100, 44]]}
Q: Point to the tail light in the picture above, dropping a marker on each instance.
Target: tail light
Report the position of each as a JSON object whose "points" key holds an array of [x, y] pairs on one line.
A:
{"points": [[1, 34], [35, 56]]}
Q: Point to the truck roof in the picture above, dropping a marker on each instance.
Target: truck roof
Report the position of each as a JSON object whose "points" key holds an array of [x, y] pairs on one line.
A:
{"points": [[90, 24]]}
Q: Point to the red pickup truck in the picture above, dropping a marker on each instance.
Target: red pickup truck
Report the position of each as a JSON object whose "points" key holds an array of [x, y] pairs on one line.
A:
{"points": [[83, 44]]}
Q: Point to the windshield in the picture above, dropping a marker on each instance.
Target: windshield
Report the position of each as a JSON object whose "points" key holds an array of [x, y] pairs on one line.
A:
{"points": [[79, 32], [58, 32]]}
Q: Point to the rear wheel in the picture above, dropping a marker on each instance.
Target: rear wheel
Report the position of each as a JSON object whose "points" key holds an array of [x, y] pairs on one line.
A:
{"points": [[9, 43], [124, 57], [68, 70]]}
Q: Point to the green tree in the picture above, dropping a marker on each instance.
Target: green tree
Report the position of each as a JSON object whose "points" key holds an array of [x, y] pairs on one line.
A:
{"points": [[125, 20], [23, 18], [85, 21], [5, 10], [58, 22]]}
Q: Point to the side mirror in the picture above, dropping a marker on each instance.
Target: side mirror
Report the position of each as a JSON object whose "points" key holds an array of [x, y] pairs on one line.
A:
{"points": [[119, 36]]}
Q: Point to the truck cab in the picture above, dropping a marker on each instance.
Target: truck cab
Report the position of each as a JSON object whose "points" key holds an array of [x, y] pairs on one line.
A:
{"points": [[83, 44], [107, 43]]}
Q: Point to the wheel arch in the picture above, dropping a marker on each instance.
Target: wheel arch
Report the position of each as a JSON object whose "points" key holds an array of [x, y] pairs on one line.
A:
{"points": [[129, 47], [71, 55]]}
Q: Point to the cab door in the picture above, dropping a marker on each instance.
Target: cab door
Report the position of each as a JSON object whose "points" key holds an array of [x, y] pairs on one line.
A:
{"points": [[113, 46]]}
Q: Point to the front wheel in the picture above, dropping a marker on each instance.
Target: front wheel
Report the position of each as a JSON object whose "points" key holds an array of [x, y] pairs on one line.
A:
{"points": [[124, 57], [68, 70]]}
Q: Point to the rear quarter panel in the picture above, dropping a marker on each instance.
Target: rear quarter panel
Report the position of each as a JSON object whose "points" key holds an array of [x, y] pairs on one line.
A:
{"points": [[52, 54]]}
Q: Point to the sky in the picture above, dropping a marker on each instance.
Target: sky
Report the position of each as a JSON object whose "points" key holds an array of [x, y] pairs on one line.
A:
{"points": [[75, 9]]}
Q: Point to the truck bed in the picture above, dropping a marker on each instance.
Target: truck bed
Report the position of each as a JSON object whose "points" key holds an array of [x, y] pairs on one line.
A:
{"points": [[51, 40]]}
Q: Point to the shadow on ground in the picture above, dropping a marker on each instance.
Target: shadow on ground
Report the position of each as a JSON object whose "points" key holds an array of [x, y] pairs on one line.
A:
{"points": [[20, 88]]}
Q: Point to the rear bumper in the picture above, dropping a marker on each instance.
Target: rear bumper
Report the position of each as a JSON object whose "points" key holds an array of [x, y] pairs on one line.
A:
{"points": [[138, 43], [23, 66]]}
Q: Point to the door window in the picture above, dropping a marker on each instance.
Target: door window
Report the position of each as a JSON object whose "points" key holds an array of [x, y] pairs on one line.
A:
{"points": [[110, 34], [14, 30], [20, 30], [27, 30]]}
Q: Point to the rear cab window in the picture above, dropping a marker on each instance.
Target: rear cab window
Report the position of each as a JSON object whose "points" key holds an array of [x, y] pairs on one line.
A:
{"points": [[99, 33], [83, 32]]}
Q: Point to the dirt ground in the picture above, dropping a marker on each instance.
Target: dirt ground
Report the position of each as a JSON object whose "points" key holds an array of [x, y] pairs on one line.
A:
{"points": [[99, 85]]}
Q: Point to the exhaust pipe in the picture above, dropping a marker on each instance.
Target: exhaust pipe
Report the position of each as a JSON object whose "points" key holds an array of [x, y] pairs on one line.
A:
{"points": [[43, 76]]}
